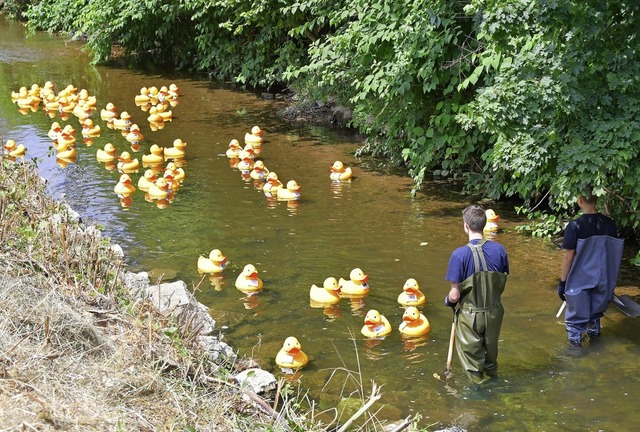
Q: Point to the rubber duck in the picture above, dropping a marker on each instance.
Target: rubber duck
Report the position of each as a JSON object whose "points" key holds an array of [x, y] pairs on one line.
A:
{"points": [[246, 162], [134, 136], [124, 122], [340, 172], [81, 111], [272, 184], [167, 115], [177, 173], [156, 156], [143, 97], [54, 131], [51, 103], [248, 280], [126, 163], [159, 190], [47, 89], [153, 95], [154, 116], [215, 263], [20, 94], [173, 92], [411, 294], [66, 138], [328, 294], [124, 187], [254, 137], [291, 355], [177, 151], [65, 105], [259, 171], [148, 178], [250, 150], [291, 192], [234, 149], [90, 130], [375, 325], [66, 153], [356, 285], [14, 150], [492, 221], [108, 154], [414, 323]]}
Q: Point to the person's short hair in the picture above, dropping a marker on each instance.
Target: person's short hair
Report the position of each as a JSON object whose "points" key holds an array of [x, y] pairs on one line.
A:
{"points": [[474, 216], [589, 198]]}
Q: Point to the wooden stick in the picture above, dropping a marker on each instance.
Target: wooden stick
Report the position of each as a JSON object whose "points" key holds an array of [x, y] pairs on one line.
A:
{"points": [[451, 341], [564, 303]]}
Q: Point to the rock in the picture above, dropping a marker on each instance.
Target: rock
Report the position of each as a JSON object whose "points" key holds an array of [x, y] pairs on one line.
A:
{"points": [[218, 351], [136, 283], [257, 380]]}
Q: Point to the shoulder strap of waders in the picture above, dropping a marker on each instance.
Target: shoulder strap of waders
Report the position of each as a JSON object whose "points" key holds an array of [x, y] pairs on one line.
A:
{"points": [[478, 258]]}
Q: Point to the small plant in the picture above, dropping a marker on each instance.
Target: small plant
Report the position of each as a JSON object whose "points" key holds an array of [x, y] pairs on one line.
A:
{"points": [[541, 225]]}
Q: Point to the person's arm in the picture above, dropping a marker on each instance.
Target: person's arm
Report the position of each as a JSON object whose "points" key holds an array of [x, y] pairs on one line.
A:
{"points": [[569, 254], [454, 293]]}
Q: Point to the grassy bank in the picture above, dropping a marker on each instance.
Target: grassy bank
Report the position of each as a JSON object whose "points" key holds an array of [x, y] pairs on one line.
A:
{"points": [[77, 352]]}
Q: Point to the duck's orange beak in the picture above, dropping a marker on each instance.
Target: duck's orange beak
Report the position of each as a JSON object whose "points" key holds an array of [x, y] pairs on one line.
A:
{"points": [[253, 275], [365, 279], [294, 350], [407, 318]]}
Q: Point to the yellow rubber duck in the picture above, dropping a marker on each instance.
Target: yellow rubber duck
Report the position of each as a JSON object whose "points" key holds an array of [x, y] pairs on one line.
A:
{"points": [[81, 111], [246, 162], [356, 285], [14, 150], [51, 103], [153, 95], [254, 137], [126, 164], [89, 130], [143, 97], [148, 178], [159, 190], [154, 116], [20, 94], [108, 154], [234, 149], [375, 325], [174, 91], [291, 355], [414, 323], [167, 115], [328, 294], [259, 171], [215, 263], [123, 123], [177, 173], [492, 221], [66, 153], [108, 112], [155, 157], [291, 192], [124, 187], [411, 294], [54, 131], [273, 184], [177, 151], [134, 136], [66, 138], [248, 280], [340, 172]]}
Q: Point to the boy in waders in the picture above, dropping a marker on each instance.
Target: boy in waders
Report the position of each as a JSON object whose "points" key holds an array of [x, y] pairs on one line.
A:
{"points": [[589, 270], [478, 274]]}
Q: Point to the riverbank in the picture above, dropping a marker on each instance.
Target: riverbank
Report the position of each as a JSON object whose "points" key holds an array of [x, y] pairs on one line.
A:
{"points": [[83, 350]]}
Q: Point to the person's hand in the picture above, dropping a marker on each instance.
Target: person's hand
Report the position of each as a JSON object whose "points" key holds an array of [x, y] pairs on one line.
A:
{"points": [[561, 285], [449, 303]]}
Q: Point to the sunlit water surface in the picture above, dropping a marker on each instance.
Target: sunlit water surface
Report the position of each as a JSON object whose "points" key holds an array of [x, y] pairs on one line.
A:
{"points": [[371, 223]]}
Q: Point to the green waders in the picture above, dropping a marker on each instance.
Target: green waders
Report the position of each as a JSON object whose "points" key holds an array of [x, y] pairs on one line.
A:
{"points": [[479, 319]]}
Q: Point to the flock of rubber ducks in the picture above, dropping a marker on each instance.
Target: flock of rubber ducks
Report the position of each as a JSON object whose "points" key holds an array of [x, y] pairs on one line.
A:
{"points": [[164, 173]]}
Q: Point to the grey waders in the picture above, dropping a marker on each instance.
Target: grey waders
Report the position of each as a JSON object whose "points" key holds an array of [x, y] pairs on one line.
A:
{"points": [[479, 319]]}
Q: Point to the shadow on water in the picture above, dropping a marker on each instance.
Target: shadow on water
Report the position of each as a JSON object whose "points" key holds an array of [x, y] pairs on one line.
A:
{"points": [[371, 222]]}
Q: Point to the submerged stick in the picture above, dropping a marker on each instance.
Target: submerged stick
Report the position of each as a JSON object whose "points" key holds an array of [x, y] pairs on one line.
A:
{"points": [[564, 303]]}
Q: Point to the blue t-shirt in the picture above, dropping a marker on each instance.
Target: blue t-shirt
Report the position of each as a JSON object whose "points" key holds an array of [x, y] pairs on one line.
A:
{"points": [[461, 262], [586, 226]]}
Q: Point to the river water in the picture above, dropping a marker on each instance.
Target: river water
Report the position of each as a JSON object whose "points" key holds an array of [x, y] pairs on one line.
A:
{"points": [[371, 223]]}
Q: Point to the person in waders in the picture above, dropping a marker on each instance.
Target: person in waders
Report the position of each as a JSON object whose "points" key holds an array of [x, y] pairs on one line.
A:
{"points": [[589, 270], [478, 275]]}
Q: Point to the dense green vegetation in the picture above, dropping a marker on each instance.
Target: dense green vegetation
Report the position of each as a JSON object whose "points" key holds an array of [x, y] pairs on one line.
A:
{"points": [[532, 99]]}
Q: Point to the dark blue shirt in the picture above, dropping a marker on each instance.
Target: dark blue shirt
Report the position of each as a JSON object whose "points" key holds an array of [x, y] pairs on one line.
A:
{"points": [[461, 262], [586, 226]]}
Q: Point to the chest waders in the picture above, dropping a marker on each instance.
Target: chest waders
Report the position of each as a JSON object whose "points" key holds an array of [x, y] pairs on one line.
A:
{"points": [[479, 319], [590, 284]]}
